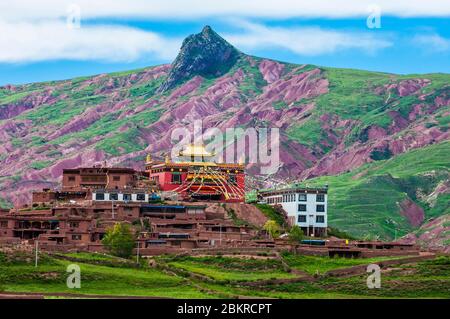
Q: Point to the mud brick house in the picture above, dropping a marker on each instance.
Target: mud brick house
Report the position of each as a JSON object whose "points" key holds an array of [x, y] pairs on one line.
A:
{"points": [[45, 225], [78, 184], [91, 199], [98, 177]]}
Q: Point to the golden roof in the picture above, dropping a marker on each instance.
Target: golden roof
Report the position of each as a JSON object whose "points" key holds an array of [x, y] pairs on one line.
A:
{"points": [[195, 150]]}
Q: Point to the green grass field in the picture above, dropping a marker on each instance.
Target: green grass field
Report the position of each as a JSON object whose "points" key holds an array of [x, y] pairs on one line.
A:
{"points": [[320, 265], [225, 277], [50, 277], [223, 269]]}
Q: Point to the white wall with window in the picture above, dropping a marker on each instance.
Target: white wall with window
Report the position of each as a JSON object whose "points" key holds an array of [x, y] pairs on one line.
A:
{"points": [[304, 208], [120, 197]]}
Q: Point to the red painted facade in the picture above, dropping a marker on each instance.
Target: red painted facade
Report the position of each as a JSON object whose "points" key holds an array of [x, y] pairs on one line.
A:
{"points": [[203, 181]]}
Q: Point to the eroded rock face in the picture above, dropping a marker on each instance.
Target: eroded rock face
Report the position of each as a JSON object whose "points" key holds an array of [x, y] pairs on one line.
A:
{"points": [[28, 102], [413, 212], [405, 87], [433, 235], [271, 70]]}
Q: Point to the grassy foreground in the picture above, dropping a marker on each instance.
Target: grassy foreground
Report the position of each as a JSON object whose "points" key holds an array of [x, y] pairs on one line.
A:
{"points": [[221, 277]]}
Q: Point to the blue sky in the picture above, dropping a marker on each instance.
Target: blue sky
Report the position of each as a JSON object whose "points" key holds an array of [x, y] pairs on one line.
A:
{"points": [[38, 44]]}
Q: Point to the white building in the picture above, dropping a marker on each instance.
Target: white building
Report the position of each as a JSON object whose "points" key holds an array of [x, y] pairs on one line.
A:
{"points": [[306, 207], [121, 196]]}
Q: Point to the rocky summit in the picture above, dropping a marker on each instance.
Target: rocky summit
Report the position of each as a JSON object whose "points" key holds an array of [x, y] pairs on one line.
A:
{"points": [[205, 54], [380, 140]]}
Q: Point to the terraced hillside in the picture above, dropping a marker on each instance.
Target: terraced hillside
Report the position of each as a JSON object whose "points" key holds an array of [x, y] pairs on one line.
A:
{"points": [[285, 276], [390, 198], [333, 121]]}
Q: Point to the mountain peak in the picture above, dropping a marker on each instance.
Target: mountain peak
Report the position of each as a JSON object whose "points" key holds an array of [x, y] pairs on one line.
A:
{"points": [[207, 30], [206, 54]]}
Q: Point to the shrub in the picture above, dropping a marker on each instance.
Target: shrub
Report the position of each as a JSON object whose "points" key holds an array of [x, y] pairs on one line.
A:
{"points": [[272, 228], [119, 240], [295, 234]]}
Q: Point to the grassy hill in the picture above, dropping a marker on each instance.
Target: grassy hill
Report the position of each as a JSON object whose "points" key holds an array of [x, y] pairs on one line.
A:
{"points": [[366, 200], [381, 137]]}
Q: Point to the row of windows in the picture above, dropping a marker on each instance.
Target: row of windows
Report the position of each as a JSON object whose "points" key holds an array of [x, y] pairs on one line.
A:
{"points": [[115, 196], [115, 178], [101, 179], [319, 208], [287, 198], [319, 219]]}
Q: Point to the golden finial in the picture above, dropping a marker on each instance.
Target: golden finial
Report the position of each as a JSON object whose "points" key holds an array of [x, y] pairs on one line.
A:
{"points": [[149, 158], [167, 160]]}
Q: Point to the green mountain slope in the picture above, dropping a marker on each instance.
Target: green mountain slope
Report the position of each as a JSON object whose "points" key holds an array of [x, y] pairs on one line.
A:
{"points": [[367, 200], [363, 127]]}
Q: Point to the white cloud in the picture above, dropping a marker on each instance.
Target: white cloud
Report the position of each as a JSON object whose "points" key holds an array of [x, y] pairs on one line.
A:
{"points": [[38, 41], [192, 9], [432, 42], [304, 40], [52, 40]]}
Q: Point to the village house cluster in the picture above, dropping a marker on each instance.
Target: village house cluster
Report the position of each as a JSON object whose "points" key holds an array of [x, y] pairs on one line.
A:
{"points": [[165, 202], [179, 205]]}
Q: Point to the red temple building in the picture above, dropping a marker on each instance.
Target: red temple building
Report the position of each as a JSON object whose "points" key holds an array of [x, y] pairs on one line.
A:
{"points": [[194, 176]]}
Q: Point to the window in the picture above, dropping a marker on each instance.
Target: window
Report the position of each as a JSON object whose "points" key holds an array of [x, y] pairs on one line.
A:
{"points": [[302, 197], [302, 208], [301, 218], [232, 179], [320, 208], [99, 196], [126, 196], [3, 224], [114, 196], [71, 178], [76, 237], [320, 198], [320, 219], [116, 178], [140, 196], [176, 178], [74, 225]]}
